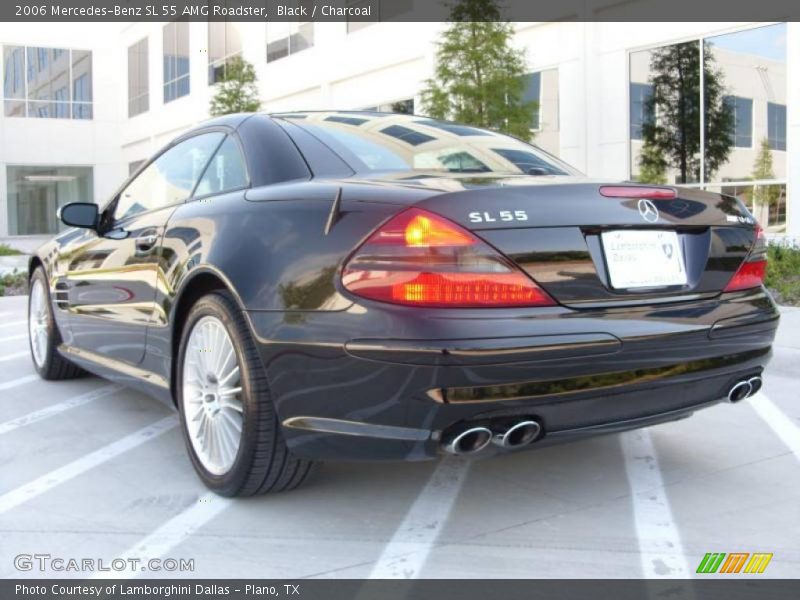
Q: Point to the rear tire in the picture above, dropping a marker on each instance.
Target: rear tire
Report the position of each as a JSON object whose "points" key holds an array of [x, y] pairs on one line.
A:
{"points": [[43, 335], [222, 391]]}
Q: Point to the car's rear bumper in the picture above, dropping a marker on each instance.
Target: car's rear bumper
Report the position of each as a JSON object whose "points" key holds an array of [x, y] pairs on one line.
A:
{"points": [[378, 382]]}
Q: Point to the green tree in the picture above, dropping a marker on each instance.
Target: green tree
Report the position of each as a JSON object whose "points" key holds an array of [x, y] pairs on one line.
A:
{"points": [[237, 92], [479, 76], [652, 165], [764, 195], [673, 135]]}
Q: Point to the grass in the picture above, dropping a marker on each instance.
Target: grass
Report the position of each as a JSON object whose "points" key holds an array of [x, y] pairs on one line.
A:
{"points": [[783, 275], [14, 284], [6, 250]]}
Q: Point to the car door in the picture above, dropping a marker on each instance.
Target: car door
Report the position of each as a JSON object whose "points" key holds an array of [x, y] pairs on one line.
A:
{"points": [[112, 276]]}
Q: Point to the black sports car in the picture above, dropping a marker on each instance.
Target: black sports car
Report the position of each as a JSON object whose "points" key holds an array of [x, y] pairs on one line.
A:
{"points": [[356, 285]]}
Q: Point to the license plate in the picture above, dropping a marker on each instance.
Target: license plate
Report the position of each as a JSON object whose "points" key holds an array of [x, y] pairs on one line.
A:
{"points": [[638, 259]]}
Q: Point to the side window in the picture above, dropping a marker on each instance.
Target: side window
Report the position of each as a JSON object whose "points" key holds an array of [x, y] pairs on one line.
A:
{"points": [[225, 172], [170, 178]]}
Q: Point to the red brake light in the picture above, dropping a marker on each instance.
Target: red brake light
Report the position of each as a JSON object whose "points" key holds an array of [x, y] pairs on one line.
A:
{"points": [[751, 272], [637, 191], [418, 258], [749, 275]]}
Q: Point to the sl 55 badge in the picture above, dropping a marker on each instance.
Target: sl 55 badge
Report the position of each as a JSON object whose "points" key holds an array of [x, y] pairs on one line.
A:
{"points": [[500, 215]]}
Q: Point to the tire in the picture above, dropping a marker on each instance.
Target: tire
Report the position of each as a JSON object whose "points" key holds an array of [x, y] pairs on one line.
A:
{"points": [[43, 335], [210, 407]]}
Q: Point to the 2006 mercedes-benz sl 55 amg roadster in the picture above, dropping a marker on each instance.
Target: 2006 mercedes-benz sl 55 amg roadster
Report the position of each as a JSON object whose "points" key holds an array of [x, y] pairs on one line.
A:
{"points": [[356, 285]]}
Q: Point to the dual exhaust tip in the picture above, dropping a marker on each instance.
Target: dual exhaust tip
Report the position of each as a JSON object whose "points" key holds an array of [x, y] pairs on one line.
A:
{"points": [[744, 389], [511, 436]]}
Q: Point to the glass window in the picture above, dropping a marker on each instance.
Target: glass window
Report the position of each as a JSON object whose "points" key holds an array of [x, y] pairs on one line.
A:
{"points": [[176, 60], [402, 143], [776, 126], [51, 83], [742, 127], [14, 80], [284, 38], [35, 194], [170, 178], [669, 149], [81, 84], [48, 83], [641, 95], [138, 82], [224, 43], [225, 172], [533, 93]]}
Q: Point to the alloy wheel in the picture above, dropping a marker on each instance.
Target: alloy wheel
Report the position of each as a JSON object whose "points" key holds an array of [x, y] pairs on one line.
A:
{"points": [[38, 322], [212, 395]]}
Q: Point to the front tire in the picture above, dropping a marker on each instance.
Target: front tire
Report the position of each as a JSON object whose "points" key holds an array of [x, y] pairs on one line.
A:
{"points": [[228, 420], [43, 335]]}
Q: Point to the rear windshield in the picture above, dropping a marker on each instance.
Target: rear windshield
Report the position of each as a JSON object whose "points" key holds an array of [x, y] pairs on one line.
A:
{"points": [[387, 142]]}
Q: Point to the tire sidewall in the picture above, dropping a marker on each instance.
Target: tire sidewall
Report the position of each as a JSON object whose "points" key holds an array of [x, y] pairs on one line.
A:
{"points": [[228, 483]]}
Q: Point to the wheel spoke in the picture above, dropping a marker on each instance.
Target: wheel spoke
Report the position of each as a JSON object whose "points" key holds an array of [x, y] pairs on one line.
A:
{"points": [[211, 392]]}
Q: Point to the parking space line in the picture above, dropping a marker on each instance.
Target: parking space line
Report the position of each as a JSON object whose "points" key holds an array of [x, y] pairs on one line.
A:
{"points": [[50, 411], [788, 432], [13, 338], [660, 549], [13, 323], [77, 467], [171, 533], [14, 355], [405, 554], [19, 381]]}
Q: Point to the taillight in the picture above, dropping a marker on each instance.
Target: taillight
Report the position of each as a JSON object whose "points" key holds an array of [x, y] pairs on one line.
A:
{"points": [[418, 258], [637, 191], [753, 270]]}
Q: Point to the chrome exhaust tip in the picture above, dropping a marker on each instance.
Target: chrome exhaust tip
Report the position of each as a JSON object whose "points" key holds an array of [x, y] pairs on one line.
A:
{"points": [[518, 435], [740, 391], [755, 384], [469, 441]]}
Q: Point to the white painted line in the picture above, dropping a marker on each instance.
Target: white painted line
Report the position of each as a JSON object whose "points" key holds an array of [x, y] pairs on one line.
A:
{"points": [[77, 467], [778, 422], [13, 323], [17, 382], [8, 357], [55, 409], [406, 553], [170, 534], [660, 549], [13, 338]]}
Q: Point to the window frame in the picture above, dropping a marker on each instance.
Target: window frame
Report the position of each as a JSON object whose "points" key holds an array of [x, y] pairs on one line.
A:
{"points": [[222, 60], [248, 183], [23, 75], [294, 29], [188, 75], [736, 120], [776, 148], [146, 93], [700, 39], [108, 218]]}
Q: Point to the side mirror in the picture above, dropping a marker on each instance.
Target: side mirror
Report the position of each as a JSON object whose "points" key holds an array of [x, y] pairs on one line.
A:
{"points": [[79, 214]]}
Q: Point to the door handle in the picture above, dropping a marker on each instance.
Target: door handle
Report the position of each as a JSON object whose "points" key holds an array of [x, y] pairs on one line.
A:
{"points": [[145, 243]]}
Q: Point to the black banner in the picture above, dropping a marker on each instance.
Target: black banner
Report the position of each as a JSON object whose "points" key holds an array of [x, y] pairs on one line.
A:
{"points": [[393, 10], [712, 588]]}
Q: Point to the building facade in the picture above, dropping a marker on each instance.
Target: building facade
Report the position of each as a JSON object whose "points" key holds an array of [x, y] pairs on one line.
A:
{"points": [[84, 105]]}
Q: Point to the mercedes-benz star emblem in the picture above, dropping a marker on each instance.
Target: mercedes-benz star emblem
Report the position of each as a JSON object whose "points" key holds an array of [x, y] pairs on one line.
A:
{"points": [[648, 210]]}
